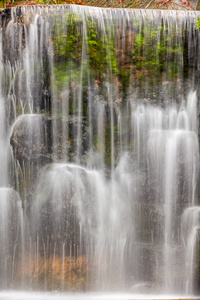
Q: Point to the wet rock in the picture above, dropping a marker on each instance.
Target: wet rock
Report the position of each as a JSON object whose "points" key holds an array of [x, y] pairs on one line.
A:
{"points": [[29, 139], [141, 288]]}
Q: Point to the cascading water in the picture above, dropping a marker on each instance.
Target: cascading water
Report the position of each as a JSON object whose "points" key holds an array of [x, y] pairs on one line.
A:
{"points": [[99, 150], [11, 215]]}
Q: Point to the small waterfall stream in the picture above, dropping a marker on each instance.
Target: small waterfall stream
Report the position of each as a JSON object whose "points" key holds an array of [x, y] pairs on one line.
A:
{"points": [[99, 150]]}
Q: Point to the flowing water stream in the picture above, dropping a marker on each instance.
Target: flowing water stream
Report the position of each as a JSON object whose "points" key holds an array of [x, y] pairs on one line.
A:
{"points": [[99, 151]]}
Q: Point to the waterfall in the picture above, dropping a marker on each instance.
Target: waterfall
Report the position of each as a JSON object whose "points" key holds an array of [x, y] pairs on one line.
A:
{"points": [[99, 150], [190, 222]]}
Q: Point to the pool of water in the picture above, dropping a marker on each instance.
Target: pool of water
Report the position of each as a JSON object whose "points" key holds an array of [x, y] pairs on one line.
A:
{"points": [[23, 295]]}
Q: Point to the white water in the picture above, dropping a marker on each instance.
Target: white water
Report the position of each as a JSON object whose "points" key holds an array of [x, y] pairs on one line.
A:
{"points": [[77, 296]]}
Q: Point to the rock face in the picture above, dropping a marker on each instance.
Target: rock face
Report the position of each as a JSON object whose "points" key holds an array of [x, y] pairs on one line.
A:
{"points": [[28, 138], [101, 119]]}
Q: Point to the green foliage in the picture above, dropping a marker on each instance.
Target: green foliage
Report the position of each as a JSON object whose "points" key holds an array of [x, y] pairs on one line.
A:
{"points": [[80, 48], [198, 23], [155, 52], [67, 37], [124, 77], [86, 53]]}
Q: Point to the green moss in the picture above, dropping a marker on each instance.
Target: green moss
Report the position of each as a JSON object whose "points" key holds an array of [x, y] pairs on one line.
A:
{"points": [[78, 51], [198, 22], [124, 77], [156, 52]]}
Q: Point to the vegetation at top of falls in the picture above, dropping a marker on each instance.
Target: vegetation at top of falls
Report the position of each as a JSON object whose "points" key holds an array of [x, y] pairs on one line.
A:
{"points": [[119, 4], [12, 3]]}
